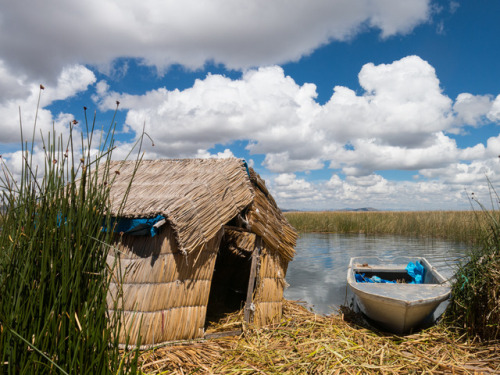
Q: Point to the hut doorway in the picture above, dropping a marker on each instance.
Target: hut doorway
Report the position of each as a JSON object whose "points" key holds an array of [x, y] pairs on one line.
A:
{"points": [[233, 281]]}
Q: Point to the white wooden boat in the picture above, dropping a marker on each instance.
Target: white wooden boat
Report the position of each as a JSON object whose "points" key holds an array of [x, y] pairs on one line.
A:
{"points": [[398, 307]]}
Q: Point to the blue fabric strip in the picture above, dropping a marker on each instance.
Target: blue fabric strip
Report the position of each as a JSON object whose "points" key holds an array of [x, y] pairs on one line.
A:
{"points": [[246, 166], [136, 226]]}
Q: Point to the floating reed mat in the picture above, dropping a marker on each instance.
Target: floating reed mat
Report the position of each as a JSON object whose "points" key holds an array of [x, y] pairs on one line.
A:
{"points": [[306, 343]]}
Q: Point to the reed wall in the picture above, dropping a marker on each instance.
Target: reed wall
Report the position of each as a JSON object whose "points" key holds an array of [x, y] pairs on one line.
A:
{"points": [[161, 293], [266, 220], [268, 296]]}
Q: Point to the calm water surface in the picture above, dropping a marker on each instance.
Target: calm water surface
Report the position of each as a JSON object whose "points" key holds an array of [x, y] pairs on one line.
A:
{"points": [[317, 275]]}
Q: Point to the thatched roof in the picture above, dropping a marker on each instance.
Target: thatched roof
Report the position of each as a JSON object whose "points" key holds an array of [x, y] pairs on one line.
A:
{"points": [[198, 196]]}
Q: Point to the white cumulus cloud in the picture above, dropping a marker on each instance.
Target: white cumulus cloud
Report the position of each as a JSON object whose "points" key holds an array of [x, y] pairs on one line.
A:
{"points": [[494, 113], [72, 80], [401, 121], [473, 109], [40, 38], [403, 105]]}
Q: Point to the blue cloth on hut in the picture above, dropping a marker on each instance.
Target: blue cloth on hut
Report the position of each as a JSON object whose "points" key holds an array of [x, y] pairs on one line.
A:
{"points": [[136, 226]]}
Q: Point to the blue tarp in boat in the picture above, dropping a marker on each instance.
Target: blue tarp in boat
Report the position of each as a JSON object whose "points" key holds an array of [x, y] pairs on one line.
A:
{"points": [[361, 278], [415, 270]]}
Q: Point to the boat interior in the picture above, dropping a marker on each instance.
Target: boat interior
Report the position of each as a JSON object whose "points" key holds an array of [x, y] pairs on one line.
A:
{"points": [[400, 276]]}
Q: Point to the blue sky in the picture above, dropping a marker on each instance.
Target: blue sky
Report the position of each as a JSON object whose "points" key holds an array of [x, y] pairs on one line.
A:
{"points": [[362, 103]]}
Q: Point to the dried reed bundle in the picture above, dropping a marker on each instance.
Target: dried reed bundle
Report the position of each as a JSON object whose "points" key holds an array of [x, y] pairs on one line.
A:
{"points": [[267, 220], [239, 242], [271, 283], [196, 195]]}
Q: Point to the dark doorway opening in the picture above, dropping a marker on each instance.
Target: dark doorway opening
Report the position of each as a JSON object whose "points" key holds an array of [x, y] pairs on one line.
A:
{"points": [[230, 280]]}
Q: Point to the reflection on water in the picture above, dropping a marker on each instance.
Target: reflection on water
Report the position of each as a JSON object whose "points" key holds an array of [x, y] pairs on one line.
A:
{"points": [[317, 274]]}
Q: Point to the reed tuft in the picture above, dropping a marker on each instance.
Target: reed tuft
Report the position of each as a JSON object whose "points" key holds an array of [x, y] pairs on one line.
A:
{"points": [[53, 276], [474, 307]]}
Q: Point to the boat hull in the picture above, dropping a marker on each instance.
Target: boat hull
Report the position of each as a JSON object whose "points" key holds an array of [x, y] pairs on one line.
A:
{"points": [[399, 308]]}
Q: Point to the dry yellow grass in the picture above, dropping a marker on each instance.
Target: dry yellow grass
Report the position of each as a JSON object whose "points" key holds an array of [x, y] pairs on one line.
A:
{"points": [[306, 343]]}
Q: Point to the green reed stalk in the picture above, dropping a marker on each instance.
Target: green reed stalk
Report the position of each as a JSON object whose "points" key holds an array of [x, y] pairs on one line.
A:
{"points": [[53, 276], [474, 307]]}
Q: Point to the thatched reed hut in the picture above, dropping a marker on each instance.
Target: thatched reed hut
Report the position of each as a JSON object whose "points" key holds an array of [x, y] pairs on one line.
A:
{"points": [[196, 238]]}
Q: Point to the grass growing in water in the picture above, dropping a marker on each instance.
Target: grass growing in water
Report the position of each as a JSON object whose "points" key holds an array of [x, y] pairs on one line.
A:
{"points": [[53, 280], [462, 226]]}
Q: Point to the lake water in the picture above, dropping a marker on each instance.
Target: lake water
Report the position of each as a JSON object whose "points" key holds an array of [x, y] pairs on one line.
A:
{"points": [[317, 274]]}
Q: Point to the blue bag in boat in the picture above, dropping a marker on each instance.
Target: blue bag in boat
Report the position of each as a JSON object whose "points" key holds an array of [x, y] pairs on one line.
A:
{"points": [[416, 271]]}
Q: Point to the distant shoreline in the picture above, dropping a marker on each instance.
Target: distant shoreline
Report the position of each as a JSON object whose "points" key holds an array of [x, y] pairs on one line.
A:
{"points": [[460, 226]]}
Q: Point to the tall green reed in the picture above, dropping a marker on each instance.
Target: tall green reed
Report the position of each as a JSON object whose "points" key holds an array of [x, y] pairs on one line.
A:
{"points": [[474, 307], [53, 271]]}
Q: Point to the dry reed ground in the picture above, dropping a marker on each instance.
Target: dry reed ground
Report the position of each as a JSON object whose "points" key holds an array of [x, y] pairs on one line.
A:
{"points": [[307, 343]]}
